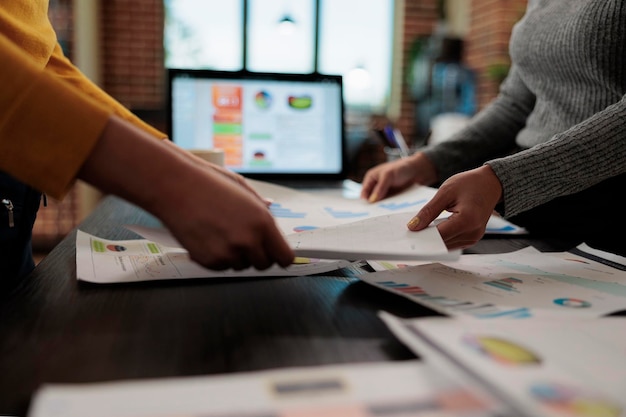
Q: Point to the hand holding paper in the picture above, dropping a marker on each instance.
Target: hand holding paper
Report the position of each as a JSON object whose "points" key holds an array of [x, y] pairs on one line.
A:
{"points": [[381, 237]]}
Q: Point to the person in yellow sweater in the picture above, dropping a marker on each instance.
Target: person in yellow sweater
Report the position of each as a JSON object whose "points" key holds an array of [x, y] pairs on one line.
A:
{"points": [[56, 126]]}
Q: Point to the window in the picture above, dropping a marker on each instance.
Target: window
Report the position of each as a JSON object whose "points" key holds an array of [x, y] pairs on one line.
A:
{"points": [[203, 34], [281, 36], [352, 38]]}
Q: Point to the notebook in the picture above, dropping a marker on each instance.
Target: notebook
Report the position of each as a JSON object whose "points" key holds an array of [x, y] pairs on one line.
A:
{"points": [[282, 128]]}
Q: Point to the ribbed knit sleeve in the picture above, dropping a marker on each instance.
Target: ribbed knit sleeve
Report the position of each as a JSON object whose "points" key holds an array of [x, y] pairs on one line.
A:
{"points": [[563, 103], [572, 161]]}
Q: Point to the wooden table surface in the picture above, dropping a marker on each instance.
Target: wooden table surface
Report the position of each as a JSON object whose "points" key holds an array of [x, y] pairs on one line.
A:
{"points": [[56, 329]]}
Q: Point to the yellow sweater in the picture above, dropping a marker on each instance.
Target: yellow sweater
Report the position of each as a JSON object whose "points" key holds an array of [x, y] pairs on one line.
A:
{"points": [[51, 115]]}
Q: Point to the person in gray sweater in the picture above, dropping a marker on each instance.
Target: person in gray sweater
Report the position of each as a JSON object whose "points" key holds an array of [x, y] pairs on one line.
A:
{"points": [[549, 153]]}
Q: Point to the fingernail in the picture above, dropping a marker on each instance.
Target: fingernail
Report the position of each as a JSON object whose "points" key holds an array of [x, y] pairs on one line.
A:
{"points": [[373, 198], [413, 222]]}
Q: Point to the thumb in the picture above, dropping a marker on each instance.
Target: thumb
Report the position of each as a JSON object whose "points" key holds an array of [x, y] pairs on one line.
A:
{"points": [[427, 214]]}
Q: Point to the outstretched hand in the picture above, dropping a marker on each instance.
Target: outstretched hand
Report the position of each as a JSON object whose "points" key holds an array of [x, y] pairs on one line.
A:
{"points": [[386, 179], [224, 225], [471, 197]]}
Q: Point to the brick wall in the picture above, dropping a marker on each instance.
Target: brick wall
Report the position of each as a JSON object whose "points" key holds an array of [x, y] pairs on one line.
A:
{"points": [[420, 19], [486, 44], [132, 48]]}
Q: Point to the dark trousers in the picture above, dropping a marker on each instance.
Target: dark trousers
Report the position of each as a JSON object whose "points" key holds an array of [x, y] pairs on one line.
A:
{"points": [[18, 209], [593, 216]]}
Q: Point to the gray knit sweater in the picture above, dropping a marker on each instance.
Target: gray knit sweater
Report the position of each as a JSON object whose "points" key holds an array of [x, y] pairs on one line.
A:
{"points": [[563, 103]]}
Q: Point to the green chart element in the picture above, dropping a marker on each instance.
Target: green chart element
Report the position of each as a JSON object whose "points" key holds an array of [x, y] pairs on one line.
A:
{"points": [[227, 129]]}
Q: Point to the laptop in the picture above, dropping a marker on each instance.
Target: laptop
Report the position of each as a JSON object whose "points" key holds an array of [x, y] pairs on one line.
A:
{"points": [[282, 128]]}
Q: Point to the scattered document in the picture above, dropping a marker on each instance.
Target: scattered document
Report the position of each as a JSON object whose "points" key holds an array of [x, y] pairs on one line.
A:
{"points": [[105, 261], [395, 389], [297, 211], [374, 238], [328, 226], [519, 285], [551, 368]]}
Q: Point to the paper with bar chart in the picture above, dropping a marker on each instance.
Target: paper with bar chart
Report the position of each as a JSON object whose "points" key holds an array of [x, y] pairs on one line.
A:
{"points": [[298, 211], [517, 285]]}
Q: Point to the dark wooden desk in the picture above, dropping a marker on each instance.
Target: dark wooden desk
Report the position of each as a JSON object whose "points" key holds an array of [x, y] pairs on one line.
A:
{"points": [[55, 329]]}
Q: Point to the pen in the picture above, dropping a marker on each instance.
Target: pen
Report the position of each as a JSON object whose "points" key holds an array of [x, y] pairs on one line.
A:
{"points": [[388, 131], [404, 148], [395, 136]]}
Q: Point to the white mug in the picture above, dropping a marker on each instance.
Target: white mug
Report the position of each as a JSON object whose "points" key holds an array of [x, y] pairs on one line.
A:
{"points": [[215, 155]]}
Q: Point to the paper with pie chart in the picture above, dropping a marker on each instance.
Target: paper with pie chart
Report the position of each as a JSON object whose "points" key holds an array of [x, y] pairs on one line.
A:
{"points": [[382, 237], [523, 284], [104, 261], [551, 368]]}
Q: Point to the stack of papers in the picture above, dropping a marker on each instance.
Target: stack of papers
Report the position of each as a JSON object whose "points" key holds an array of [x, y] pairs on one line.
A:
{"points": [[560, 356], [326, 232], [525, 333]]}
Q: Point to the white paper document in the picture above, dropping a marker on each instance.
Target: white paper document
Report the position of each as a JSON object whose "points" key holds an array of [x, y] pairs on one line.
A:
{"points": [[297, 211], [105, 261], [518, 285], [383, 236], [551, 368], [378, 237], [406, 388]]}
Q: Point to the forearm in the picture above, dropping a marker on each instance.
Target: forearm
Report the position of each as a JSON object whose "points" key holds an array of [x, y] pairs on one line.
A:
{"points": [[220, 223], [128, 162], [572, 161]]}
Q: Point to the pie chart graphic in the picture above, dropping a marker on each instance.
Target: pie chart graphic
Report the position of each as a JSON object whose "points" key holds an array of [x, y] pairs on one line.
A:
{"points": [[572, 302], [501, 350], [263, 100], [573, 401], [116, 248]]}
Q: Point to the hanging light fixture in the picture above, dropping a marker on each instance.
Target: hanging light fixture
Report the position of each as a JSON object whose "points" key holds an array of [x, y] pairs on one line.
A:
{"points": [[359, 78], [286, 25]]}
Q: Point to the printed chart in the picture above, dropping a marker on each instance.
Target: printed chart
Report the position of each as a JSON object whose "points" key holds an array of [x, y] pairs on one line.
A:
{"points": [[550, 367], [104, 261], [519, 285]]}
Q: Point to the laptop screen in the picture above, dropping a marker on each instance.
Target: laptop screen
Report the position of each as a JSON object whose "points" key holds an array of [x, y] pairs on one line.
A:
{"points": [[280, 126]]}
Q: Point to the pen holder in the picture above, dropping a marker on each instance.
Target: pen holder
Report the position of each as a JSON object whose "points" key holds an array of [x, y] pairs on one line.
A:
{"points": [[393, 154]]}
